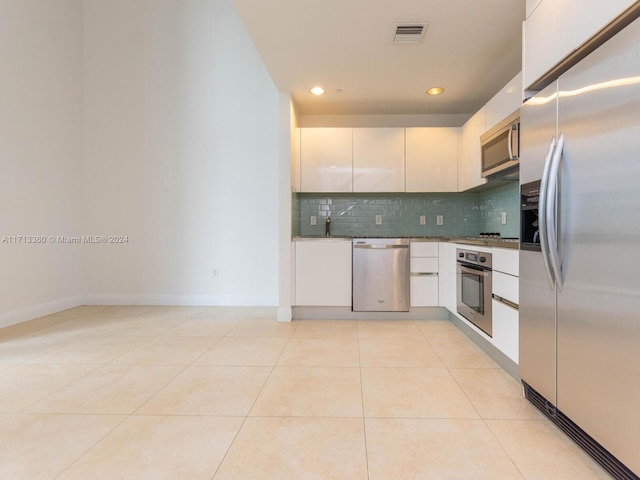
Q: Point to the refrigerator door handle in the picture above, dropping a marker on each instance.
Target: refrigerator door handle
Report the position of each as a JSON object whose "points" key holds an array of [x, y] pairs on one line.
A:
{"points": [[552, 212], [542, 214]]}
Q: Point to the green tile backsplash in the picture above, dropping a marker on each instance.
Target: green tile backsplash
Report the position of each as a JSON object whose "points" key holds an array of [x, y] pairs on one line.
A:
{"points": [[464, 214]]}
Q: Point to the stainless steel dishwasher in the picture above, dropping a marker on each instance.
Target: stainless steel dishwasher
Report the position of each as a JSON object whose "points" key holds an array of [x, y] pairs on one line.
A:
{"points": [[381, 275]]}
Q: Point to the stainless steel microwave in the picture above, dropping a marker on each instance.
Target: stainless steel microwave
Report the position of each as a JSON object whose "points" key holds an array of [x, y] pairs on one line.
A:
{"points": [[501, 146]]}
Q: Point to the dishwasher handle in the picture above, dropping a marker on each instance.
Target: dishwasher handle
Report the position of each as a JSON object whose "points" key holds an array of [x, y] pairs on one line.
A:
{"points": [[355, 245]]}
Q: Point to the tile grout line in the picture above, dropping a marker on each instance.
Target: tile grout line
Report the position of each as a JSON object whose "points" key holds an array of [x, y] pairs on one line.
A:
{"points": [[476, 409], [513, 462], [244, 420], [451, 375], [125, 416], [364, 419]]}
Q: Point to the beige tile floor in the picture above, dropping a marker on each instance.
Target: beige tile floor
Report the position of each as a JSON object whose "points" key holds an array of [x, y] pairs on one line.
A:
{"points": [[228, 393]]}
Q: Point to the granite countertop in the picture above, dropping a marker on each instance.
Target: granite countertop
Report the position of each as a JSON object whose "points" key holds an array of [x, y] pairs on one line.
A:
{"points": [[484, 242]]}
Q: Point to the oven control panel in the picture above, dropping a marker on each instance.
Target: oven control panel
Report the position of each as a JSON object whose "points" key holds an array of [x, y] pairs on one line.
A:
{"points": [[473, 257]]}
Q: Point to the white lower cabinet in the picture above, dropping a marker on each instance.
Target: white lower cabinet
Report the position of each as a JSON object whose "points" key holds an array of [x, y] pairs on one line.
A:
{"points": [[323, 273], [447, 276], [424, 274], [506, 287], [424, 290], [506, 329]]}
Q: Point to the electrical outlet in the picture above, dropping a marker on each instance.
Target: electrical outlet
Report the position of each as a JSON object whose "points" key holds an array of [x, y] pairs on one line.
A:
{"points": [[216, 273], [313, 220], [423, 219], [440, 219], [378, 219], [504, 218]]}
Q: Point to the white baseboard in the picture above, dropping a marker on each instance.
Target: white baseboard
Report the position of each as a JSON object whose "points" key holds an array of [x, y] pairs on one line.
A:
{"points": [[35, 311], [182, 300], [284, 314], [29, 313]]}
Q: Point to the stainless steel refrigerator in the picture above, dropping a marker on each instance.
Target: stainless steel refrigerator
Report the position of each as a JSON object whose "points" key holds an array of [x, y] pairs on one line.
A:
{"points": [[580, 294]]}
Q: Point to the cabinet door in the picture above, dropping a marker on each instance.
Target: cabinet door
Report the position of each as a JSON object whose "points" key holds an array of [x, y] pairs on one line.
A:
{"points": [[447, 275], [506, 260], [295, 160], [505, 102], [506, 286], [323, 273], [549, 36], [432, 159], [469, 161], [505, 330], [424, 290], [531, 5], [326, 156], [378, 160], [424, 249], [424, 264], [595, 14]]}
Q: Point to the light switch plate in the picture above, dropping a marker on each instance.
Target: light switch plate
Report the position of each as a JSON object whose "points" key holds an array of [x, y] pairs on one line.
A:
{"points": [[423, 220], [440, 219], [313, 220], [378, 219], [504, 218]]}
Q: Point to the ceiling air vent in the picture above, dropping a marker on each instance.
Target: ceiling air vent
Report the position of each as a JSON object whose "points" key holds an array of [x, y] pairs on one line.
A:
{"points": [[409, 33]]}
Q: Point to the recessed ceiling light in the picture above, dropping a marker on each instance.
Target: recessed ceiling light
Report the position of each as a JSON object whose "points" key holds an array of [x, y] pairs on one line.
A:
{"points": [[317, 90], [435, 91]]}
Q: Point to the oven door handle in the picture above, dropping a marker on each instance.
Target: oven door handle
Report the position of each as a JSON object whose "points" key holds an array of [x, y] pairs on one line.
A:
{"points": [[542, 215], [369, 246], [473, 271]]}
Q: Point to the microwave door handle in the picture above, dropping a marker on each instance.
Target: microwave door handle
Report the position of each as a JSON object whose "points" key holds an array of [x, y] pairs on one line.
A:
{"points": [[553, 214], [542, 215], [510, 142]]}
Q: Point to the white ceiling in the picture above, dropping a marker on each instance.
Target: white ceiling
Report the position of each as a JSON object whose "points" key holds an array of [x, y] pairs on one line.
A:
{"points": [[471, 48]]}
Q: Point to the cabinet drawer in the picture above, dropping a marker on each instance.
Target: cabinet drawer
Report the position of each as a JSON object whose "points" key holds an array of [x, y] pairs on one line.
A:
{"points": [[424, 264], [506, 286], [424, 291], [506, 261], [506, 330], [424, 249]]}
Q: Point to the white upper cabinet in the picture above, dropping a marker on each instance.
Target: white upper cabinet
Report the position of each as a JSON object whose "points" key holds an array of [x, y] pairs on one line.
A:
{"points": [[470, 155], [505, 102], [555, 28], [595, 14], [326, 156], [432, 159], [531, 6], [549, 35], [295, 160], [378, 160]]}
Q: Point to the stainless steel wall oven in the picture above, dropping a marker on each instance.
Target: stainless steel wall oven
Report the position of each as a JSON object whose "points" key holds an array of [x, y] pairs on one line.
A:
{"points": [[474, 288]]}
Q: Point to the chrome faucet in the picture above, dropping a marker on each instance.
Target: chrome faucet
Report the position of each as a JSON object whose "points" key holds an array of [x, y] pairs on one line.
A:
{"points": [[327, 227]]}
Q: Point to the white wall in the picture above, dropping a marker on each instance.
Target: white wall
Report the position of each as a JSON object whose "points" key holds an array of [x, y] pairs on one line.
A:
{"points": [[40, 106], [181, 154], [288, 122]]}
